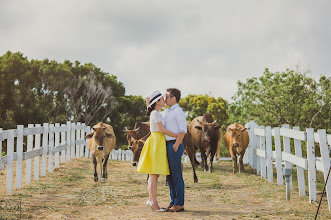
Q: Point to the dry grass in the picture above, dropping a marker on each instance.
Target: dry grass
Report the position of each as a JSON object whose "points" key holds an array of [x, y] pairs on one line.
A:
{"points": [[71, 193]]}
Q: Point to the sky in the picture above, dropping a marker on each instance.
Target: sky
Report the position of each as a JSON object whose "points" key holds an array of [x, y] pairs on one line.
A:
{"points": [[197, 46]]}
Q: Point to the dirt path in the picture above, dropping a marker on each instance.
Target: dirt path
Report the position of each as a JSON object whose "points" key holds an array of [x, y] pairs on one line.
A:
{"points": [[70, 193]]}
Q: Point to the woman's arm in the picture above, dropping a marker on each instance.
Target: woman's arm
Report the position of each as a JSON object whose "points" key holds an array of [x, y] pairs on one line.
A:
{"points": [[165, 131]]}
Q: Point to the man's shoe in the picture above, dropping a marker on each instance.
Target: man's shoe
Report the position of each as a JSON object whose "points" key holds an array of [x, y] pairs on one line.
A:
{"points": [[176, 208]]}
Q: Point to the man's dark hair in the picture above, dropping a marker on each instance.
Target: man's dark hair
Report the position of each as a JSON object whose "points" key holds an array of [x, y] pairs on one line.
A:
{"points": [[174, 92]]}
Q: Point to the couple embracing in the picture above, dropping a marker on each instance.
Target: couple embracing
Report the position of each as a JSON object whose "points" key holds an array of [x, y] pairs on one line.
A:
{"points": [[163, 150]]}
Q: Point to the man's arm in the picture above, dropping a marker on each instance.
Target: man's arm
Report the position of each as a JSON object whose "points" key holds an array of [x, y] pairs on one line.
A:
{"points": [[181, 120], [179, 140]]}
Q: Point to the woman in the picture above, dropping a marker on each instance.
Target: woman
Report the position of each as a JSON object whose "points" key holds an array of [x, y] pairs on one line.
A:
{"points": [[153, 158]]}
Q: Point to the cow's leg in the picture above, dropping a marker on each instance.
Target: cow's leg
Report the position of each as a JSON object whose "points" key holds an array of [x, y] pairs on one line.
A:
{"points": [[191, 155], [241, 164], [211, 159], [95, 168], [204, 159], [105, 173], [99, 161], [234, 161]]}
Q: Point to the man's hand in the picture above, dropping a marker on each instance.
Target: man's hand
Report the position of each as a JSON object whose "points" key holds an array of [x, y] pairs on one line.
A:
{"points": [[175, 146], [148, 100]]}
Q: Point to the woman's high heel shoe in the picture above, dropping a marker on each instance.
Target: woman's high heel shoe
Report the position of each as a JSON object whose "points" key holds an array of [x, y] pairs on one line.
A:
{"points": [[149, 203]]}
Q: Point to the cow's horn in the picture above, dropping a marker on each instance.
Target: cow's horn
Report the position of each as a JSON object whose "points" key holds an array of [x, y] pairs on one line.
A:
{"points": [[136, 129]]}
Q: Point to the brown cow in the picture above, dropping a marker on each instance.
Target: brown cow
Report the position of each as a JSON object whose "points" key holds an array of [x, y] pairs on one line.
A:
{"points": [[206, 134], [101, 142], [236, 140], [141, 129], [136, 148]]}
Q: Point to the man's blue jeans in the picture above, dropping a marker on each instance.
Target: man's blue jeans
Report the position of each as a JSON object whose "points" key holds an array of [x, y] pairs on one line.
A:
{"points": [[175, 179]]}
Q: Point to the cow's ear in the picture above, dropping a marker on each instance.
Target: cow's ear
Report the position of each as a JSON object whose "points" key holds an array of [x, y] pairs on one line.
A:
{"points": [[243, 129], [198, 127], [109, 135], [217, 127], [89, 136]]}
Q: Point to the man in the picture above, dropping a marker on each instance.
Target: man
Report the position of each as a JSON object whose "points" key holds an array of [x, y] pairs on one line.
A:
{"points": [[175, 121]]}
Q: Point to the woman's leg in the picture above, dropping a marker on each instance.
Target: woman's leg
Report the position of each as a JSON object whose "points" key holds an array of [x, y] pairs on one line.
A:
{"points": [[153, 190], [149, 188]]}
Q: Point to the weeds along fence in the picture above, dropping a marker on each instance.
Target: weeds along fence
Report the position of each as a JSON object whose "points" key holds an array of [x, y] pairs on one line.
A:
{"points": [[271, 147], [48, 146]]}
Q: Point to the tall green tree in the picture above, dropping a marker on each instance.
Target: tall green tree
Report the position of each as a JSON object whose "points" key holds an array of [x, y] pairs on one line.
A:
{"points": [[280, 98], [197, 105]]}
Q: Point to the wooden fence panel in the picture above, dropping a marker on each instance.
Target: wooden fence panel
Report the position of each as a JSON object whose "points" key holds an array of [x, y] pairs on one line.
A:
{"points": [[278, 149], [270, 172], [68, 133], [10, 162], [50, 149], [19, 160], [287, 149], [57, 143], [36, 168], [78, 138], [28, 171], [263, 159], [326, 163], [311, 164], [72, 140], [63, 141], [300, 170], [45, 149]]}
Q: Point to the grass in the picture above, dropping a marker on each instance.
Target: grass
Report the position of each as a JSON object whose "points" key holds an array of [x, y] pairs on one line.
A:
{"points": [[70, 192]]}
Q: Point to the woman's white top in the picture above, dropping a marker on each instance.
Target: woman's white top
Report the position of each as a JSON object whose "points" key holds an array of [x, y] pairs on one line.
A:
{"points": [[155, 117]]}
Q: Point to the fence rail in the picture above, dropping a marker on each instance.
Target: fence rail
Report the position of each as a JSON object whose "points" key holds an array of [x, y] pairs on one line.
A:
{"points": [[261, 156]]}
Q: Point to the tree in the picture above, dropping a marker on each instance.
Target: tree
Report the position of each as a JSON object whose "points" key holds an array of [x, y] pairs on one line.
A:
{"points": [[197, 105], [282, 98]]}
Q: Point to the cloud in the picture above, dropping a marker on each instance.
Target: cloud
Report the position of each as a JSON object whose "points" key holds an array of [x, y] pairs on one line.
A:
{"points": [[197, 46]]}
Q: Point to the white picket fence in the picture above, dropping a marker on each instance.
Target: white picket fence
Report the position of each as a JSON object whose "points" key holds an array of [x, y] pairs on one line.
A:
{"points": [[262, 158], [50, 142]]}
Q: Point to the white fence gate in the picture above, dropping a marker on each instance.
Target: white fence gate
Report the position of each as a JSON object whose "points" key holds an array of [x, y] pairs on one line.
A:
{"points": [[50, 142], [261, 156]]}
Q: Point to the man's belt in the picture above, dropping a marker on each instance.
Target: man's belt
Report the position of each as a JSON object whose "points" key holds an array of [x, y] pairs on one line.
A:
{"points": [[172, 141]]}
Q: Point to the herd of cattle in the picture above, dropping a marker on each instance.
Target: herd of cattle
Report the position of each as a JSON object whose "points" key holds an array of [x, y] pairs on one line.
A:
{"points": [[203, 134]]}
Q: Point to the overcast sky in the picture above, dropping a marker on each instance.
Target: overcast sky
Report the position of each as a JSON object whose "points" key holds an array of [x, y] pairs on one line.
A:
{"points": [[200, 47]]}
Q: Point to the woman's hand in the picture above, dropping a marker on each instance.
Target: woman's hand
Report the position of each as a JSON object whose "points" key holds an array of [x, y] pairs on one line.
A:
{"points": [[148, 100], [175, 146]]}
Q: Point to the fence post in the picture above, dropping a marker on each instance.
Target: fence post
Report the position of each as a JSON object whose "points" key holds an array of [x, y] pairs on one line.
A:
{"points": [[253, 142], [82, 137], [300, 170], [45, 149], [51, 146], [287, 149], [63, 141], [36, 159], [269, 154], [29, 161], [68, 140], [77, 138], [326, 163], [88, 130], [311, 164], [19, 161], [278, 149], [10, 162], [258, 159], [73, 128], [57, 143], [263, 160]]}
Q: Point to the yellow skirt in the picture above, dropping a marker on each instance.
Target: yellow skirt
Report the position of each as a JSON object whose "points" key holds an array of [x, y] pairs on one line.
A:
{"points": [[153, 158]]}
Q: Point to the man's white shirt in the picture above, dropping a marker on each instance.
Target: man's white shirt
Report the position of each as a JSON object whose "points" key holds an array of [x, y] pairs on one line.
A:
{"points": [[174, 120]]}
